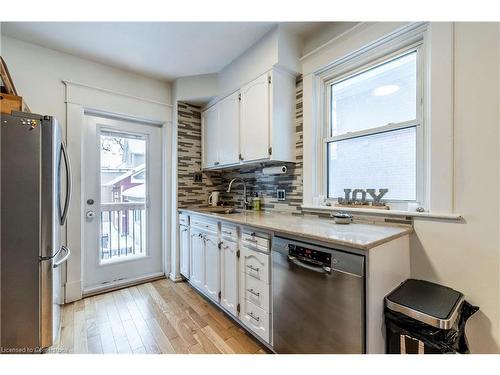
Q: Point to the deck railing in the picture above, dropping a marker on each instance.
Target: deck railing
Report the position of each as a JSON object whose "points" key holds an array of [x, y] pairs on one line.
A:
{"points": [[123, 231]]}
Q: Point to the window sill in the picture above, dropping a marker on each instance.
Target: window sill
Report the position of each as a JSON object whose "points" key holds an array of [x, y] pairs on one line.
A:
{"points": [[414, 214]]}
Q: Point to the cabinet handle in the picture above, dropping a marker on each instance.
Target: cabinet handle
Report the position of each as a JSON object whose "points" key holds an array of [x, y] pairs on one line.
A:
{"points": [[257, 294], [256, 318], [216, 163], [256, 269], [226, 232]]}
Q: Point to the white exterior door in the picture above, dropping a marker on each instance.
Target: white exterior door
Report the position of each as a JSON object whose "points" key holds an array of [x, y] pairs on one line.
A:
{"points": [[197, 276], [210, 134], [229, 280], [122, 198], [212, 267], [229, 121], [254, 119], [184, 250]]}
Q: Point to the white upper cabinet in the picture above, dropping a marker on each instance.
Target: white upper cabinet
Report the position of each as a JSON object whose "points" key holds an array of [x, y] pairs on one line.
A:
{"points": [[229, 130], [254, 124], [210, 135], [254, 119]]}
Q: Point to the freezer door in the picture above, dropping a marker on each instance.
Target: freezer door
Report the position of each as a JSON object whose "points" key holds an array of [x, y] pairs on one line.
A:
{"points": [[51, 249]]}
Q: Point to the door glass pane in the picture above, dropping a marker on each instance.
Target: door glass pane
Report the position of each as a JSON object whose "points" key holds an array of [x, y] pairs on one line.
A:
{"points": [[123, 196], [376, 97], [385, 160]]}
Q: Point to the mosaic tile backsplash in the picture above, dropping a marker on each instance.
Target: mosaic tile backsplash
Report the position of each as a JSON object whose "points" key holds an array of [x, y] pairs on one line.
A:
{"points": [[195, 194]]}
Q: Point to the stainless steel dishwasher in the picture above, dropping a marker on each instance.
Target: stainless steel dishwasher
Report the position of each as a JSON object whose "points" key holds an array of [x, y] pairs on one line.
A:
{"points": [[318, 298]]}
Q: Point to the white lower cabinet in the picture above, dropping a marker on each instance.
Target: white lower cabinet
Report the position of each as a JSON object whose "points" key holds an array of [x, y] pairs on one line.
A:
{"points": [[254, 291], [184, 247], [229, 276], [256, 319], [212, 267], [197, 277], [255, 264], [237, 278]]}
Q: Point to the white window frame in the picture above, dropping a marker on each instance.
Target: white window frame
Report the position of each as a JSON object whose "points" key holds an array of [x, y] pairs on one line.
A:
{"points": [[356, 65]]}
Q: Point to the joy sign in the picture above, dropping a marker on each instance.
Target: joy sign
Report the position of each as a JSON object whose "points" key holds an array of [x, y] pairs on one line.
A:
{"points": [[359, 196]]}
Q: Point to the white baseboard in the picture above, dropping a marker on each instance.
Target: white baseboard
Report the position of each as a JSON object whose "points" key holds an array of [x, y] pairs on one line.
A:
{"points": [[175, 278], [72, 291], [121, 283]]}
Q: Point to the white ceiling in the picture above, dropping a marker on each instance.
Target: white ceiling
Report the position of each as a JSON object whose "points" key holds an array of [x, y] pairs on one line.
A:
{"points": [[165, 50]]}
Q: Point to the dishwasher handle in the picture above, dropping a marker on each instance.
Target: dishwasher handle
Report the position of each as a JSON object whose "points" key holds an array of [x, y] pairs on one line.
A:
{"points": [[320, 269]]}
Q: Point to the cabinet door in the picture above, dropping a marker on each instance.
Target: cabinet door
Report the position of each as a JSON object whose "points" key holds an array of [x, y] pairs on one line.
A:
{"points": [[212, 268], [229, 120], [210, 134], [255, 264], [184, 250], [254, 120], [197, 260], [256, 319], [229, 276]]}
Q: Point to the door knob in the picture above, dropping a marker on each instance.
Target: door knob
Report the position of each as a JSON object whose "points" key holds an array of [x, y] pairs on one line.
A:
{"points": [[90, 214]]}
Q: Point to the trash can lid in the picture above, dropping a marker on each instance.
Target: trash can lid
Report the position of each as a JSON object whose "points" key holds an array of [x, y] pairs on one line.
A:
{"points": [[430, 303]]}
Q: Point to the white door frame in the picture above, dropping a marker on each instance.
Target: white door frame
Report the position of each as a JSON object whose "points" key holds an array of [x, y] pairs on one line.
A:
{"points": [[83, 99]]}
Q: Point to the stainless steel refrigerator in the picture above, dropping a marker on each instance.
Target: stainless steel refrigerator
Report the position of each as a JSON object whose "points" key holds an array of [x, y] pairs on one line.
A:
{"points": [[34, 165]]}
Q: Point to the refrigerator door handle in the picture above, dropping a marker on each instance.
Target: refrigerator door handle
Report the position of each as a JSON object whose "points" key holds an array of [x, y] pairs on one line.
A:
{"points": [[67, 163], [64, 258]]}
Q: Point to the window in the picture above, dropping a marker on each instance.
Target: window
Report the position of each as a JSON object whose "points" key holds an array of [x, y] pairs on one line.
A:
{"points": [[373, 132]]}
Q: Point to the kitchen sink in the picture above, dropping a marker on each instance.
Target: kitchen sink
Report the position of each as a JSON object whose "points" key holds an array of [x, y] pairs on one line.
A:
{"points": [[226, 210]]}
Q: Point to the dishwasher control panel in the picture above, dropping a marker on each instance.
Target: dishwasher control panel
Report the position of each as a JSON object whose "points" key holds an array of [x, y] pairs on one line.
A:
{"points": [[320, 258]]}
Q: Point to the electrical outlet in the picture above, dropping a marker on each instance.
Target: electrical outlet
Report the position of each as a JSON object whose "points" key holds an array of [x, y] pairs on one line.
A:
{"points": [[197, 177], [280, 194]]}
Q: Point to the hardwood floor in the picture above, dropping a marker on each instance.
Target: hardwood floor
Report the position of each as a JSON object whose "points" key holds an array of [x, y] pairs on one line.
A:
{"points": [[157, 317]]}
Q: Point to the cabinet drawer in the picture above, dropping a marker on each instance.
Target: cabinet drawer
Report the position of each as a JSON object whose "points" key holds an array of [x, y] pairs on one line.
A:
{"points": [[204, 224], [255, 291], [229, 232], [255, 264], [256, 240], [256, 319], [183, 219]]}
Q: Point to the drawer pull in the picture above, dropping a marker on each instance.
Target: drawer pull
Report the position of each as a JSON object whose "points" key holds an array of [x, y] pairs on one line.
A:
{"points": [[256, 318], [226, 232], [256, 269], [257, 294]]}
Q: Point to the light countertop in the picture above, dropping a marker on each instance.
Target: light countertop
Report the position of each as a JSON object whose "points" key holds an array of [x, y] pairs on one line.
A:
{"points": [[354, 235]]}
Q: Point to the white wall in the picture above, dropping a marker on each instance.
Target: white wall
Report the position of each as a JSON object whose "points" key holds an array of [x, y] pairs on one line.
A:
{"points": [[38, 73], [325, 35], [197, 90], [464, 256], [277, 47], [467, 256]]}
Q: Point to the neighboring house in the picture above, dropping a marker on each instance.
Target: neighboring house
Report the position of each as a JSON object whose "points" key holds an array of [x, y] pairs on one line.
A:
{"points": [[126, 187]]}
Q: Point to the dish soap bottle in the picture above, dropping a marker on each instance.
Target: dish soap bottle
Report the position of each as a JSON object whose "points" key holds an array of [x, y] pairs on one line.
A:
{"points": [[256, 202]]}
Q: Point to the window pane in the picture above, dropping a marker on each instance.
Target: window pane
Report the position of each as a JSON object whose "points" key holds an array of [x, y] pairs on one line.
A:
{"points": [[382, 95], [123, 223], [385, 160]]}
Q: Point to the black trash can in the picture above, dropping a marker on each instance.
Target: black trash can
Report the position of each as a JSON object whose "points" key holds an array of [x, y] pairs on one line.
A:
{"points": [[426, 318]]}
